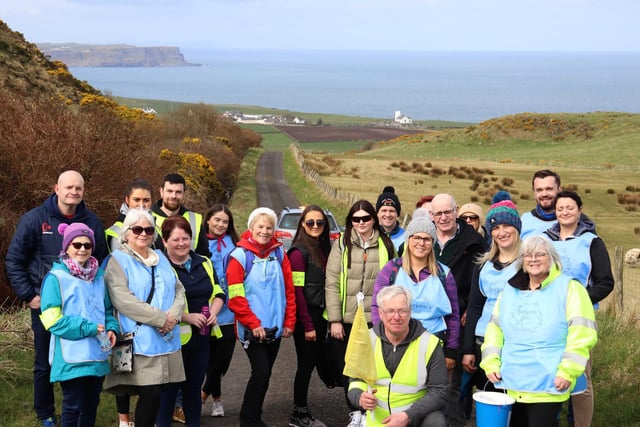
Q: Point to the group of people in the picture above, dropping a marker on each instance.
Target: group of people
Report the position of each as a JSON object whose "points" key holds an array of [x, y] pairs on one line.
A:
{"points": [[452, 300]]}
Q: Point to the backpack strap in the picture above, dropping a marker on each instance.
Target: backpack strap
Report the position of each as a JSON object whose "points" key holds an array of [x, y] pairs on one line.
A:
{"points": [[397, 264]]}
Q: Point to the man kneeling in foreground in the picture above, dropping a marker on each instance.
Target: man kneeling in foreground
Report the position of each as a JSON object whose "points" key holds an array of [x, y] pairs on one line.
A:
{"points": [[411, 384]]}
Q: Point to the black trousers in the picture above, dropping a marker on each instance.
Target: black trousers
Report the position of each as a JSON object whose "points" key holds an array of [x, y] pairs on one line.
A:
{"points": [[535, 414], [307, 353], [261, 358]]}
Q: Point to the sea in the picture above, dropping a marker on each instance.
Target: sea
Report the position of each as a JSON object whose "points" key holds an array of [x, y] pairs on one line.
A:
{"points": [[452, 86]]}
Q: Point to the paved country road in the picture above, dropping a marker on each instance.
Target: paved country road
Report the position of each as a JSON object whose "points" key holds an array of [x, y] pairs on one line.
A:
{"points": [[325, 404]]}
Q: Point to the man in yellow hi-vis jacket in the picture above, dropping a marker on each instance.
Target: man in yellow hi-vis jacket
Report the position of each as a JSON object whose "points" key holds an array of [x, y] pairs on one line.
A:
{"points": [[411, 384]]}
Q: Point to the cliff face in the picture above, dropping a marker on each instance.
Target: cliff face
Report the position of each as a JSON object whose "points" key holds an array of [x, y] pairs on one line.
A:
{"points": [[76, 55]]}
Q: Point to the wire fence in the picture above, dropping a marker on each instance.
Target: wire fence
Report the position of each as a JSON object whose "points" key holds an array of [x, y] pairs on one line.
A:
{"points": [[625, 298]]}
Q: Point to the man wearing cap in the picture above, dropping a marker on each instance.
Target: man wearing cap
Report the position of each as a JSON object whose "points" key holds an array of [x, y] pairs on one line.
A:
{"points": [[35, 246], [170, 203], [457, 246], [388, 210]]}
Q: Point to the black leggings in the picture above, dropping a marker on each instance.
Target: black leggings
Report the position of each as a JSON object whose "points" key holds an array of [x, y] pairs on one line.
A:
{"points": [[147, 407], [307, 353], [220, 354]]}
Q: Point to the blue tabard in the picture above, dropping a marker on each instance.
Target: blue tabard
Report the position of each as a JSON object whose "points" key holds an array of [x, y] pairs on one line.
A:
{"points": [[225, 317], [430, 302], [576, 256], [535, 332], [83, 299], [264, 290], [398, 238], [147, 340], [491, 282], [532, 225]]}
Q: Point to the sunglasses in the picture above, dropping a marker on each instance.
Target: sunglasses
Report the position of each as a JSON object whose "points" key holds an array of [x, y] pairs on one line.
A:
{"points": [[137, 230], [357, 219], [317, 222], [469, 217], [77, 245]]}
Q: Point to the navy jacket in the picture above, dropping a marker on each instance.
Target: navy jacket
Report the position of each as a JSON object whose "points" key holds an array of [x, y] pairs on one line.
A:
{"points": [[36, 244]]}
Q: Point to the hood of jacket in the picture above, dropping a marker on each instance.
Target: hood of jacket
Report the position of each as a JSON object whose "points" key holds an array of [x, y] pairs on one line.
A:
{"points": [[262, 251]]}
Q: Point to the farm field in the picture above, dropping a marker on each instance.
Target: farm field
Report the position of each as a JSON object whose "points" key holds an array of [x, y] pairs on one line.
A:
{"points": [[305, 134]]}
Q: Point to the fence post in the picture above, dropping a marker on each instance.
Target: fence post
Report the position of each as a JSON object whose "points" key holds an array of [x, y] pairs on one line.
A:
{"points": [[618, 267]]}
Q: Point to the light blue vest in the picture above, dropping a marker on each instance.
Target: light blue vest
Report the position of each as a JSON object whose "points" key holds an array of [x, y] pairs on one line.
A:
{"points": [[83, 299], [491, 283], [147, 340], [535, 332], [264, 290], [398, 238], [576, 256], [225, 317], [532, 225], [430, 302]]}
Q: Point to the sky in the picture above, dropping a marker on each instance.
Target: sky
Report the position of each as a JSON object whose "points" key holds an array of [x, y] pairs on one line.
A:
{"points": [[432, 25]]}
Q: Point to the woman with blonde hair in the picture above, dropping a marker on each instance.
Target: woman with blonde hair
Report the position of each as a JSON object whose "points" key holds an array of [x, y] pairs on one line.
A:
{"points": [[541, 311], [262, 297]]}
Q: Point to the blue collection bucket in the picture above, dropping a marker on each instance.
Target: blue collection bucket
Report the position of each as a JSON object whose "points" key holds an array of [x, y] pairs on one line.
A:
{"points": [[493, 409]]}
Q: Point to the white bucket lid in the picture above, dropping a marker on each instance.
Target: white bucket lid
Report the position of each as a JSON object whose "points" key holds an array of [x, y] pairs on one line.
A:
{"points": [[493, 398]]}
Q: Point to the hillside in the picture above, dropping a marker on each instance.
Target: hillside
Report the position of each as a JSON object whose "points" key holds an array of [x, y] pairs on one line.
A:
{"points": [[27, 72], [81, 55]]}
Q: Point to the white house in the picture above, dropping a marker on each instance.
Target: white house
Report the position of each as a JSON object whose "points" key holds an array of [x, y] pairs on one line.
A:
{"points": [[401, 118]]}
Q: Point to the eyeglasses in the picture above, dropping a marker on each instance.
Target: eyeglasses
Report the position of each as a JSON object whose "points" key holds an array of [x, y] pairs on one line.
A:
{"points": [[137, 230], [357, 219], [443, 213], [418, 239], [402, 312], [468, 218], [317, 222], [537, 255], [87, 245]]}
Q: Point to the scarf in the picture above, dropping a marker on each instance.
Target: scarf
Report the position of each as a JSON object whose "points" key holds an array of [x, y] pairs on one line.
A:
{"points": [[87, 272], [545, 216], [149, 261], [218, 239]]}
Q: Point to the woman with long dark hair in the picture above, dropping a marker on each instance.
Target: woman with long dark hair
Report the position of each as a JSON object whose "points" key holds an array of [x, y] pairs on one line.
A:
{"points": [[223, 237], [355, 260], [308, 258]]}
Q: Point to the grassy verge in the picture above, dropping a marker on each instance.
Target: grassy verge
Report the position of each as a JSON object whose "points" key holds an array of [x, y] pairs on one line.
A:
{"points": [[307, 193]]}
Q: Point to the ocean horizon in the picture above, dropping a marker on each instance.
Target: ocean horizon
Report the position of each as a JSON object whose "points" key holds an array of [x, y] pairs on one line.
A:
{"points": [[453, 86]]}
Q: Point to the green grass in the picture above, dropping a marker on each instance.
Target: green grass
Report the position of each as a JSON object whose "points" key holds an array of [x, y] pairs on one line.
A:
{"points": [[245, 197]]}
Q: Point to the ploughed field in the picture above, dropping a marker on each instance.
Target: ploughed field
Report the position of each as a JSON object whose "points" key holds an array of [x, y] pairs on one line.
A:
{"points": [[343, 133]]}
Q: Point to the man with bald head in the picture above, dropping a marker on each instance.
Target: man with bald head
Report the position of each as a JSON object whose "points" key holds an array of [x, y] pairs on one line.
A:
{"points": [[35, 246], [457, 246]]}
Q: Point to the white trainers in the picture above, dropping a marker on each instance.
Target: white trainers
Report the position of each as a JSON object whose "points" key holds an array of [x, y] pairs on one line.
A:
{"points": [[126, 424], [217, 410], [357, 419]]}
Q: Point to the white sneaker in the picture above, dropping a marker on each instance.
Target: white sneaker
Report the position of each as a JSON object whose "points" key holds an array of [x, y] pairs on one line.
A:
{"points": [[356, 419], [217, 410], [126, 424]]}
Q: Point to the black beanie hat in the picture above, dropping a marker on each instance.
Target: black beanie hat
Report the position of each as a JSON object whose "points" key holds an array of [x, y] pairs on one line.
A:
{"points": [[388, 198]]}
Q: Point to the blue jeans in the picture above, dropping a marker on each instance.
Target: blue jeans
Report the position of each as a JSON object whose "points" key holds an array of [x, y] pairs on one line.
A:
{"points": [[43, 397], [80, 399]]}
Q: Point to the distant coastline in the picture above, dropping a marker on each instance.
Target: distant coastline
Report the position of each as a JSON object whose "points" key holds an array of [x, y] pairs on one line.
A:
{"points": [[120, 55]]}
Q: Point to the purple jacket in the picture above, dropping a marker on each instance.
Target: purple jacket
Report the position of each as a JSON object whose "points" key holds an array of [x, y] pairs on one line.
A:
{"points": [[452, 320]]}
